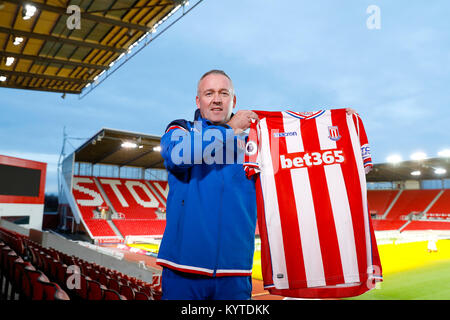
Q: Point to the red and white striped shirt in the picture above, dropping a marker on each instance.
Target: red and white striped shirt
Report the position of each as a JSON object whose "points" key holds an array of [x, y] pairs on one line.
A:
{"points": [[316, 234]]}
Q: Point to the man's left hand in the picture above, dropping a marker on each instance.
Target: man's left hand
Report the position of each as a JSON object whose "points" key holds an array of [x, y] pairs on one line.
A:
{"points": [[350, 110]]}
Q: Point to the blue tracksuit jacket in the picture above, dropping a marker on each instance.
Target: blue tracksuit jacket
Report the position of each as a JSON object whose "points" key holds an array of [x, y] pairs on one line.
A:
{"points": [[211, 205]]}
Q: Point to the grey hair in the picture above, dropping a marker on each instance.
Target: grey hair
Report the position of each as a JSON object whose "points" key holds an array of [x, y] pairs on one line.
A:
{"points": [[215, 71]]}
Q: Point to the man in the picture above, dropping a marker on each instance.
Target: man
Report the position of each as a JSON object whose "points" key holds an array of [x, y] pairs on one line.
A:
{"points": [[208, 244]]}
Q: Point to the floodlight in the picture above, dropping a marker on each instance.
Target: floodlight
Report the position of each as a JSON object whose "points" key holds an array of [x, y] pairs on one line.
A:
{"points": [[394, 159], [28, 11], [418, 156], [17, 41], [416, 173], [9, 61], [157, 148], [129, 145], [440, 171], [444, 153], [2, 78]]}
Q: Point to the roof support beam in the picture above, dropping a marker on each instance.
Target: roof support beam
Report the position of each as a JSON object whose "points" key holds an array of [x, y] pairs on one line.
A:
{"points": [[42, 76], [84, 15], [51, 60], [107, 154], [14, 86], [136, 158], [44, 37]]}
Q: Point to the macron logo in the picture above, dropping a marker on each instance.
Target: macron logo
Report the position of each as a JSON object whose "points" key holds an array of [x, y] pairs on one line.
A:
{"points": [[285, 134]]}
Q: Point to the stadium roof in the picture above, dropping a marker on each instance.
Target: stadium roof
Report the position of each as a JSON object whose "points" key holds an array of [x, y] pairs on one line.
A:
{"points": [[121, 148], [42, 48], [402, 170]]}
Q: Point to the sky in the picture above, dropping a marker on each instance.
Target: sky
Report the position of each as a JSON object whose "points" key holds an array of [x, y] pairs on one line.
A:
{"points": [[388, 60]]}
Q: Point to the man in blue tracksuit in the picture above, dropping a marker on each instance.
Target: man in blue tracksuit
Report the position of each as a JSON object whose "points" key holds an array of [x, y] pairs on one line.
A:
{"points": [[208, 244]]}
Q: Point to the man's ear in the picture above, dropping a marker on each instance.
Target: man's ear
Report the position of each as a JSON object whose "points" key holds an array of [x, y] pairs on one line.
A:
{"points": [[197, 102], [234, 101]]}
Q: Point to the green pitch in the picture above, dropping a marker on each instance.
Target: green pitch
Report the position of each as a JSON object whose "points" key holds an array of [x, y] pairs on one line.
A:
{"points": [[430, 282]]}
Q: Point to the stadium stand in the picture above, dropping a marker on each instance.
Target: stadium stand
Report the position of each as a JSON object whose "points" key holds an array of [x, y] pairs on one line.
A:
{"points": [[134, 204], [29, 271], [162, 189], [422, 207], [88, 197], [385, 225], [133, 198], [427, 225], [137, 202], [379, 200], [441, 208], [411, 201], [140, 227]]}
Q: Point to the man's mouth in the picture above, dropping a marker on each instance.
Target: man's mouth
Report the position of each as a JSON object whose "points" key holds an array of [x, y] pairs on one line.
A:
{"points": [[216, 109]]}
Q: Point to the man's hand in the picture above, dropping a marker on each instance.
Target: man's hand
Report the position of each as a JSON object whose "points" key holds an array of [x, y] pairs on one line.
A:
{"points": [[350, 110], [241, 120]]}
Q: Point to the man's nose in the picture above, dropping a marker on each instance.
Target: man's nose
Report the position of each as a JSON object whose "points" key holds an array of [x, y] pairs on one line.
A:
{"points": [[217, 99]]}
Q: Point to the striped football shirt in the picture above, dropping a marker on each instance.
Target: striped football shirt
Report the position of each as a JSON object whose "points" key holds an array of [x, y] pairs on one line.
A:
{"points": [[316, 234]]}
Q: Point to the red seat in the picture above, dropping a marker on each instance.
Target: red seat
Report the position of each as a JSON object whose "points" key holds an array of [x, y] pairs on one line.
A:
{"points": [[61, 274], [139, 295], [17, 274], [114, 284], [79, 288], [127, 292], [95, 290], [103, 279], [6, 255], [50, 290], [109, 294], [30, 286]]}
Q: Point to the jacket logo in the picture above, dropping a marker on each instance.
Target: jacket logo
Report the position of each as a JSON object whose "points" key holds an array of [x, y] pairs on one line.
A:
{"points": [[333, 132], [284, 134], [251, 148]]}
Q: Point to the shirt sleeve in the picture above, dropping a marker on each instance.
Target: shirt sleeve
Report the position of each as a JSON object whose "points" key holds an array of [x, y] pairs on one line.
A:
{"points": [[252, 155], [364, 142]]}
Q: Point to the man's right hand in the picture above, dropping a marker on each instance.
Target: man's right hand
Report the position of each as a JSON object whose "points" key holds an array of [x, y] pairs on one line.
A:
{"points": [[242, 120]]}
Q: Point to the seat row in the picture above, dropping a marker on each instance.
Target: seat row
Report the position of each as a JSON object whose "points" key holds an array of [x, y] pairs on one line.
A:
{"points": [[89, 281], [20, 280], [41, 273]]}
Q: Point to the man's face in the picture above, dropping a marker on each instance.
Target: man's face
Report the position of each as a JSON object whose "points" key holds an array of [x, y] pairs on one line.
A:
{"points": [[215, 98]]}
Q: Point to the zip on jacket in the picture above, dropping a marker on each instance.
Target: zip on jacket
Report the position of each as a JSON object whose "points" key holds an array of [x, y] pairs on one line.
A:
{"points": [[211, 206]]}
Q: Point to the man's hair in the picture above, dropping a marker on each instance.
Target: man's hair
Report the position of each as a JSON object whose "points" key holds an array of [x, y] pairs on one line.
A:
{"points": [[215, 71]]}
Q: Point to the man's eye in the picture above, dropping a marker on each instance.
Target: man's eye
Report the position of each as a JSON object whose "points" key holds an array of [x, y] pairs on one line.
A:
{"points": [[225, 93]]}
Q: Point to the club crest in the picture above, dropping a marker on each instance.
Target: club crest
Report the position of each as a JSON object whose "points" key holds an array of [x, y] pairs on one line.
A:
{"points": [[333, 132]]}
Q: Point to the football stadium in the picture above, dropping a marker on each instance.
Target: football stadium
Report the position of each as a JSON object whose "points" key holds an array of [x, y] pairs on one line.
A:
{"points": [[102, 240]]}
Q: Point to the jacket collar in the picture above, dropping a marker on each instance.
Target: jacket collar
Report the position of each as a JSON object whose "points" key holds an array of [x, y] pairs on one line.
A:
{"points": [[205, 122]]}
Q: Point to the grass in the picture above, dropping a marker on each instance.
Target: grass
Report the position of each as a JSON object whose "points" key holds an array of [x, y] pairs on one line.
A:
{"points": [[410, 272]]}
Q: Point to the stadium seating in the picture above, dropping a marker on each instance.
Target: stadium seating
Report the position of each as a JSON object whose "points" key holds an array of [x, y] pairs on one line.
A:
{"points": [[442, 205], [411, 201], [131, 197], [379, 200], [427, 225], [135, 202], [386, 225], [140, 227], [43, 274], [161, 187], [88, 197]]}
